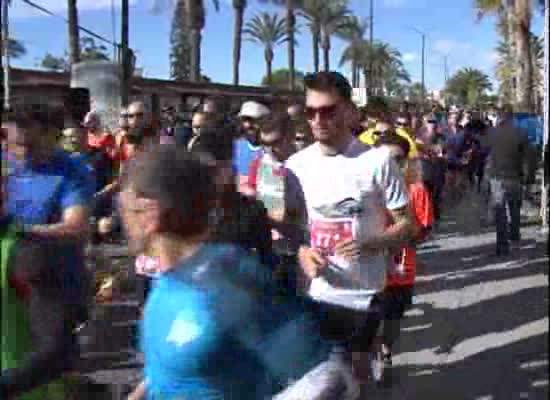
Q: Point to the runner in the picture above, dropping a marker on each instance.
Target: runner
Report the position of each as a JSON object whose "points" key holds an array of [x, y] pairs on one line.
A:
{"points": [[36, 321], [238, 219], [348, 189], [400, 279], [49, 192], [213, 326]]}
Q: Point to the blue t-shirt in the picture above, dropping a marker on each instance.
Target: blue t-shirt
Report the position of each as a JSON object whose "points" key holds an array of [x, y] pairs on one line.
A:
{"points": [[244, 153], [215, 328], [38, 194]]}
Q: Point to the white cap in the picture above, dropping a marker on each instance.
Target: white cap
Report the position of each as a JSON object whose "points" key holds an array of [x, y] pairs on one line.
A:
{"points": [[252, 109]]}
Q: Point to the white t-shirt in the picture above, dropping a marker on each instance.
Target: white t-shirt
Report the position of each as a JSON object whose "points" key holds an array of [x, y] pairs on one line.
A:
{"points": [[348, 196]]}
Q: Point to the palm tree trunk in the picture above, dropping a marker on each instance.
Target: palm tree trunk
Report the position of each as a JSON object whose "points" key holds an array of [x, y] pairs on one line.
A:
{"points": [[353, 73], [268, 65], [195, 58], [125, 56], [237, 42], [315, 37], [6, 54], [290, 26], [74, 37], [195, 13], [523, 47], [325, 44]]}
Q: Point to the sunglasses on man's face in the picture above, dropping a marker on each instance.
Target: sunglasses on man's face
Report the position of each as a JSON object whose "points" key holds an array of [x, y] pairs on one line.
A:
{"points": [[135, 115], [325, 112], [431, 121]]}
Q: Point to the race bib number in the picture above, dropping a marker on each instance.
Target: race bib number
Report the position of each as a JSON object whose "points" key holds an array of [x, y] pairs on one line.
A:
{"points": [[325, 234]]}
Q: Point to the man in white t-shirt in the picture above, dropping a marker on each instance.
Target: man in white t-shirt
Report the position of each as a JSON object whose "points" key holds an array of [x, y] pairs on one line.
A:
{"points": [[357, 210]]}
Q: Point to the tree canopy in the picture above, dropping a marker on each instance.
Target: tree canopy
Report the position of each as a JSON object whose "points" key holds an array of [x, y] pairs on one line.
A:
{"points": [[281, 77], [468, 86]]}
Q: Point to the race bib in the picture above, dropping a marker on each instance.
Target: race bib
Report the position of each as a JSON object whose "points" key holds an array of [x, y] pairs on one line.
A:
{"points": [[326, 233]]}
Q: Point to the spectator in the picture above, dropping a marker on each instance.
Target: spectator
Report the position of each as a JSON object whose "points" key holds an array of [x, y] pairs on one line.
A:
{"points": [[248, 146], [508, 148]]}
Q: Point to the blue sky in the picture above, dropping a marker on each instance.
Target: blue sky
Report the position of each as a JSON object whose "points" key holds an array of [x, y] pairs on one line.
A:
{"points": [[450, 25]]}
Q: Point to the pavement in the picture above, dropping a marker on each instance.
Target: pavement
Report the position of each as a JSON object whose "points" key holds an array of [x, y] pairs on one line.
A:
{"points": [[478, 328]]}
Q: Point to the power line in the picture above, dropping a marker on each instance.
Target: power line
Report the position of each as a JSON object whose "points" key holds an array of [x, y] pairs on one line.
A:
{"points": [[83, 29]]}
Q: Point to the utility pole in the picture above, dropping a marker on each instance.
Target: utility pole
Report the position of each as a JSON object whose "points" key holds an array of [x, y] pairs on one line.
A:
{"points": [[371, 41], [125, 56], [546, 120], [6, 54], [423, 65]]}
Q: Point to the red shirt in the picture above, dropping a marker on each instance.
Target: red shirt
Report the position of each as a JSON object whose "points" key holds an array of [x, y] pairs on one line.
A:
{"points": [[105, 142], [403, 272]]}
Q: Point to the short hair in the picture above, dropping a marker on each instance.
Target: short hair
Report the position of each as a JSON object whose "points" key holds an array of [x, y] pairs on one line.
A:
{"points": [[391, 138], [279, 121], [327, 81], [217, 141], [179, 181]]}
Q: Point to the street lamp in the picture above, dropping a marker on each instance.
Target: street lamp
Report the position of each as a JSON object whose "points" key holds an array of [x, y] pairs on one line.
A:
{"points": [[423, 61]]}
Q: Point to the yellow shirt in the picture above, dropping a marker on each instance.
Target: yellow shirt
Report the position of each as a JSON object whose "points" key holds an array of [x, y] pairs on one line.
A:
{"points": [[368, 137], [413, 150]]}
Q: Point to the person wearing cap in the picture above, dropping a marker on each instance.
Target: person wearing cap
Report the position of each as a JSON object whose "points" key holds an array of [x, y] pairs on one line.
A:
{"points": [[402, 129], [248, 146]]}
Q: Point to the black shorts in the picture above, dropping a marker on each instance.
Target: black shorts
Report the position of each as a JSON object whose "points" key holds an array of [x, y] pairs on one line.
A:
{"points": [[397, 300], [351, 329]]}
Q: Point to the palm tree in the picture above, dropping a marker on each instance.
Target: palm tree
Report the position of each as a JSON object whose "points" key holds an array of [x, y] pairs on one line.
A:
{"points": [[312, 11], [239, 7], [353, 31], [195, 11], [269, 31], [291, 6], [517, 14], [333, 18], [469, 85], [387, 65], [74, 40]]}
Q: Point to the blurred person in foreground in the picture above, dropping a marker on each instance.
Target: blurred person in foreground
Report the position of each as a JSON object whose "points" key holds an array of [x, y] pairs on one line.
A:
{"points": [[213, 325], [37, 318], [49, 193]]}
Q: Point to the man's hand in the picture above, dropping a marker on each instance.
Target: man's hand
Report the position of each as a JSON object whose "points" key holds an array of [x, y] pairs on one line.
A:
{"points": [[349, 250], [311, 261], [277, 215]]}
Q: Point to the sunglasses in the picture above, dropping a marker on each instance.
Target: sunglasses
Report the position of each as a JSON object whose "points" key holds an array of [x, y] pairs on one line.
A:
{"points": [[401, 123], [135, 115], [431, 121], [326, 112]]}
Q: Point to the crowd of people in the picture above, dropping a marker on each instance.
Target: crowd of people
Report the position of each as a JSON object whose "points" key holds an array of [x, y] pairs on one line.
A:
{"points": [[276, 247]]}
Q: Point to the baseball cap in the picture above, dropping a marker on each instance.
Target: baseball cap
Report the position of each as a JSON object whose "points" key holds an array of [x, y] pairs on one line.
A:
{"points": [[252, 109]]}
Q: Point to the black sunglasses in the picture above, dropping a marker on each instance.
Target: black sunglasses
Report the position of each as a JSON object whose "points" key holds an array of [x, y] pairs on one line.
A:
{"points": [[326, 112]]}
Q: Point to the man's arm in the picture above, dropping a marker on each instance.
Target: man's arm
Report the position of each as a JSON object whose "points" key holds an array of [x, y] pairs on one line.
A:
{"points": [[74, 225], [402, 229]]}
